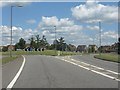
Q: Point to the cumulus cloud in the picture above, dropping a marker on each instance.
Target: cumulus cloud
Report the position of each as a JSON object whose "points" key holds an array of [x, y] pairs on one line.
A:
{"points": [[92, 27], [73, 36], [18, 33], [64, 28], [31, 21], [110, 34], [54, 21], [92, 11]]}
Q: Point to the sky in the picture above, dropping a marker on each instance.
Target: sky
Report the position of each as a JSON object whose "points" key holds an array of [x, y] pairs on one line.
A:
{"points": [[77, 22]]}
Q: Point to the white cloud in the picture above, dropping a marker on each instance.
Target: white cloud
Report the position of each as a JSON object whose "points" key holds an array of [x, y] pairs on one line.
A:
{"points": [[31, 21], [92, 11], [17, 33], [70, 31], [92, 28], [74, 36], [110, 34], [66, 22], [49, 21], [54, 21]]}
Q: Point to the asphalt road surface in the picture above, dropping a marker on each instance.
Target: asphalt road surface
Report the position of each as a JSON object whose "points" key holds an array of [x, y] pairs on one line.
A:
{"points": [[101, 63], [50, 72]]}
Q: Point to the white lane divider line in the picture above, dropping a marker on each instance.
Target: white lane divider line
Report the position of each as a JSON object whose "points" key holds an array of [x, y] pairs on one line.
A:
{"points": [[100, 73], [17, 75], [97, 67]]}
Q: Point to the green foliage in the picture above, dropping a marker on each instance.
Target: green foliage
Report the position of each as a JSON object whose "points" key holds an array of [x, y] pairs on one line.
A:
{"points": [[32, 42], [59, 44], [46, 52], [4, 49], [37, 42], [20, 44]]}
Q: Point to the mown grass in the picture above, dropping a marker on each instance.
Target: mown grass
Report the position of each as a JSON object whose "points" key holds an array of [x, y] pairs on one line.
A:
{"points": [[46, 52], [16, 54], [109, 57], [8, 59]]}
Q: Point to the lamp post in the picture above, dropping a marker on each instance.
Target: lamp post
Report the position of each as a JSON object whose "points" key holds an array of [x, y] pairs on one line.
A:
{"points": [[55, 40], [100, 37], [11, 30]]}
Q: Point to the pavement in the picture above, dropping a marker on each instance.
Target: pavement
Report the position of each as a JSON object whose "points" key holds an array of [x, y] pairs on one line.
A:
{"points": [[50, 72]]}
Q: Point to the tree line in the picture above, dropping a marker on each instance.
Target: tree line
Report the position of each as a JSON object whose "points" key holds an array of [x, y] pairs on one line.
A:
{"points": [[41, 42]]}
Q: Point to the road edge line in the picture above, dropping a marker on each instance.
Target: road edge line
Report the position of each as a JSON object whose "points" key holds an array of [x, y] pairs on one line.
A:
{"points": [[18, 74]]}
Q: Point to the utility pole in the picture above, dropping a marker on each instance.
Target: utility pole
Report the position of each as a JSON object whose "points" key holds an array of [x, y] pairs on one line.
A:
{"points": [[11, 34], [99, 38]]}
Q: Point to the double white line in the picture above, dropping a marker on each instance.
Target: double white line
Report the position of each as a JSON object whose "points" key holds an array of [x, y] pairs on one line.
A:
{"points": [[91, 68]]}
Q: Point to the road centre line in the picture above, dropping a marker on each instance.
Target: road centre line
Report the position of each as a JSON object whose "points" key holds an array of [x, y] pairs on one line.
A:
{"points": [[17, 75]]}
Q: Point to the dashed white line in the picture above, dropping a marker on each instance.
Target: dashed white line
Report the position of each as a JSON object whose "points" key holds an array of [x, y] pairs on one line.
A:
{"points": [[17, 75]]}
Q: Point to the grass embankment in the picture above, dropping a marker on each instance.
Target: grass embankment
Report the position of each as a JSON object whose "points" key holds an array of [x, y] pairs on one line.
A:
{"points": [[109, 57], [46, 52]]}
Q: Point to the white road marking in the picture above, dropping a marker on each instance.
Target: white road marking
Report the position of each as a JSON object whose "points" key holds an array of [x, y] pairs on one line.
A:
{"points": [[100, 73], [97, 67], [18, 74]]}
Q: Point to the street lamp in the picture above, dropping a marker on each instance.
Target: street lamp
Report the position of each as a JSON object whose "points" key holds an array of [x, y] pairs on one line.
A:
{"points": [[11, 29], [55, 40], [100, 37]]}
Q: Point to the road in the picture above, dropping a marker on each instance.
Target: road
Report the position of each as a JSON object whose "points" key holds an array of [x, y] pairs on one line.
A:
{"points": [[101, 63], [50, 72]]}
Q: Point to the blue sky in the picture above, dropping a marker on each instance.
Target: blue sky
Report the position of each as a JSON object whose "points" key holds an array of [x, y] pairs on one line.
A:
{"points": [[35, 11], [77, 22]]}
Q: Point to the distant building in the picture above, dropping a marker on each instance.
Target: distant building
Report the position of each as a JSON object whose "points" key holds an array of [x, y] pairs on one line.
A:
{"points": [[109, 49], [92, 48], [81, 48], [1, 47], [114, 47], [105, 49], [11, 47], [72, 47]]}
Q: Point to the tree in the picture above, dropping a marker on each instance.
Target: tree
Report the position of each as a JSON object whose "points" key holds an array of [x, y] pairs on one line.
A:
{"points": [[38, 40], [4, 49], [43, 41], [20, 44], [61, 44], [17, 46], [32, 42]]}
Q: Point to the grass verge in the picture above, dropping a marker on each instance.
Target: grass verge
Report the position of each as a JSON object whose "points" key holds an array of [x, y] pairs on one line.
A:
{"points": [[16, 54], [8, 59], [108, 57], [46, 52]]}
